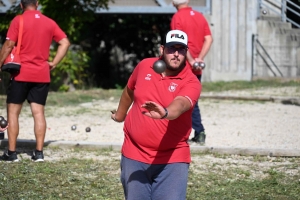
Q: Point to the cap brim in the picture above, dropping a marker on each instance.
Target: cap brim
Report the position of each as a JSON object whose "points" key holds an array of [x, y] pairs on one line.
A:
{"points": [[175, 43]]}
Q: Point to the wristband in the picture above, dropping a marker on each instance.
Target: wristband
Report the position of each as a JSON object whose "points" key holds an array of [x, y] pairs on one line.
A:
{"points": [[166, 115]]}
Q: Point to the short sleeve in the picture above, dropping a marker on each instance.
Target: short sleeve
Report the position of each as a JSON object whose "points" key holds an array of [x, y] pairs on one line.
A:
{"points": [[13, 30]]}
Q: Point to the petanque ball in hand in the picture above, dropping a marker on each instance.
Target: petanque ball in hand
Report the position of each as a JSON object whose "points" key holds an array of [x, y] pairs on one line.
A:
{"points": [[88, 129], [159, 66], [3, 123], [1, 118], [199, 64], [202, 65]]}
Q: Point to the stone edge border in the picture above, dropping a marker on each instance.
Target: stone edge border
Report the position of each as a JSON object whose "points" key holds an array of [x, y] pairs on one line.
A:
{"points": [[203, 149]]}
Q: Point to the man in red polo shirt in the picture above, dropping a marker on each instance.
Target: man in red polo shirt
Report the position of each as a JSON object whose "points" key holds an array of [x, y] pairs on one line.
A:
{"points": [[32, 82], [200, 40], [155, 152]]}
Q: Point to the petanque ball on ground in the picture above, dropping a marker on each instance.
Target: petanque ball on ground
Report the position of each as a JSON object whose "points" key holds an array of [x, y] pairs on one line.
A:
{"points": [[87, 129], [73, 127], [3, 123], [159, 66]]}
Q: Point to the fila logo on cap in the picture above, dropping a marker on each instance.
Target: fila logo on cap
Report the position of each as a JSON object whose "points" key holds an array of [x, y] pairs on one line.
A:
{"points": [[176, 37]]}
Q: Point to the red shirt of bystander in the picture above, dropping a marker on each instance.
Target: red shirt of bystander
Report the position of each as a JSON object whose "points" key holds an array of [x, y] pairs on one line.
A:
{"points": [[34, 52], [194, 24]]}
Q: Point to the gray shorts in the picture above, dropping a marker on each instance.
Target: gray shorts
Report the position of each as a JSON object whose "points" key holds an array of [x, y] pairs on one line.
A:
{"points": [[18, 92], [154, 181]]}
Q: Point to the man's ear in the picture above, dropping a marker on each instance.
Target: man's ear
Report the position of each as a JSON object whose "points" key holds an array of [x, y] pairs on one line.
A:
{"points": [[161, 50]]}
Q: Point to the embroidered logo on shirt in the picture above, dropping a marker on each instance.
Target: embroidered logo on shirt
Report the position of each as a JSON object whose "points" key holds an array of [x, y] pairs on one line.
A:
{"points": [[37, 16], [148, 77], [12, 57], [173, 87], [192, 13]]}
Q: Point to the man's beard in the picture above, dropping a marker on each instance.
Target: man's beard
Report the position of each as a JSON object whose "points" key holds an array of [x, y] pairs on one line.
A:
{"points": [[181, 66]]}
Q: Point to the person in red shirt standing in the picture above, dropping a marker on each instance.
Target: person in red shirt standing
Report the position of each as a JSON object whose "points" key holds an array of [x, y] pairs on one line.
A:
{"points": [[194, 24], [155, 153], [32, 82]]}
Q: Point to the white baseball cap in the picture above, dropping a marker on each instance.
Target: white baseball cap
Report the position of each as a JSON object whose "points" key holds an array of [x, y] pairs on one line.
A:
{"points": [[176, 37], [178, 2]]}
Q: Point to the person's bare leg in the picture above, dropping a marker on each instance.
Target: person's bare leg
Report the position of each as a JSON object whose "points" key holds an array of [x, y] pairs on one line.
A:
{"points": [[39, 124], [13, 112]]}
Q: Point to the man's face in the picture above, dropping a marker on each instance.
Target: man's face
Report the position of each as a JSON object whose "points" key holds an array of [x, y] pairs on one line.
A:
{"points": [[174, 57]]}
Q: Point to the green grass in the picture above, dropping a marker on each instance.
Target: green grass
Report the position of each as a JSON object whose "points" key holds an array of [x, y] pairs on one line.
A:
{"points": [[81, 178], [80, 96], [241, 85], [69, 179]]}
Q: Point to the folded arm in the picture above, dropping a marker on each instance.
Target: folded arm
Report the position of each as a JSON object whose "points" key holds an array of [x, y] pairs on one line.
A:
{"points": [[63, 46]]}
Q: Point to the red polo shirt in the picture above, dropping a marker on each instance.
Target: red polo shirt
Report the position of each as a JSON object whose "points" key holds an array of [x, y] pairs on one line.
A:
{"points": [[156, 141], [194, 24], [38, 33]]}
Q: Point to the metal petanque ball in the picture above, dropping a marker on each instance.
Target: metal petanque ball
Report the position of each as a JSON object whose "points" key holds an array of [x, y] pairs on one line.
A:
{"points": [[202, 65], [199, 64], [3, 123], [264, 12], [88, 129], [159, 66], [73, 128], [1, 118]]}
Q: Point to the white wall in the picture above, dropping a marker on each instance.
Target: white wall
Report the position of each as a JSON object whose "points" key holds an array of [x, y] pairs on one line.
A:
{"points": [[232, 23]]}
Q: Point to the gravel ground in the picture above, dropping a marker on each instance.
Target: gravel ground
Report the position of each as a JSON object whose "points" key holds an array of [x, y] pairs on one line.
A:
{"points": [[228, 123]]}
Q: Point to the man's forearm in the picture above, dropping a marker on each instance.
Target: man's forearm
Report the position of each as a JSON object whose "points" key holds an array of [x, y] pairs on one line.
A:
{"points": [[178, 106], [190, 58], [61, 51], [124, 104], [205, 48], [5, 50]]}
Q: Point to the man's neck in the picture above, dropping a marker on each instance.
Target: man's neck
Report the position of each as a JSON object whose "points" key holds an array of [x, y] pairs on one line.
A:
{"points": [[182, 6], [30, 8]]}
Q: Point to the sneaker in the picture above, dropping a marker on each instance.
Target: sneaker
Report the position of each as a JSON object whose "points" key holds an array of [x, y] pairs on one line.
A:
{"points": [[9, 158], [199, 138], [202, 137], [37, 156]]}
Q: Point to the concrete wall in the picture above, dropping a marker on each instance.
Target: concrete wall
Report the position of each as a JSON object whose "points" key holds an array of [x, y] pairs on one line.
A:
{"points": [[282, 43], [232, 23]]}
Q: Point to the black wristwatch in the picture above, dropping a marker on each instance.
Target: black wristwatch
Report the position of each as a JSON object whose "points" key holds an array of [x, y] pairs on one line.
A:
{"points": [[166, 115]]}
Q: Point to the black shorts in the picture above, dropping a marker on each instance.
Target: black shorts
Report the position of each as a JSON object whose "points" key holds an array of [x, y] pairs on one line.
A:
{"points": [[18, 92]]}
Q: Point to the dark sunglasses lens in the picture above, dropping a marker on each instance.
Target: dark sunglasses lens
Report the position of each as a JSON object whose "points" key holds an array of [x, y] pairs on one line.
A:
{"points": [[172, 50]]}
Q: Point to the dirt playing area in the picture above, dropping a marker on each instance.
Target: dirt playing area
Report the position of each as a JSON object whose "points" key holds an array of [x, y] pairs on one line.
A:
{"points": [[228, 123]]}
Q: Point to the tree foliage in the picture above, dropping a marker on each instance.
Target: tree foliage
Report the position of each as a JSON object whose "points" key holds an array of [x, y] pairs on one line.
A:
{"points": [[72, 15], [108, 45]]}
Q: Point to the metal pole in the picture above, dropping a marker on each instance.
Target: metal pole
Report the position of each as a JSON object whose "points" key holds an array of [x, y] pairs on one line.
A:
{"points": [[259, 3], [252, 57], [283, 10]]}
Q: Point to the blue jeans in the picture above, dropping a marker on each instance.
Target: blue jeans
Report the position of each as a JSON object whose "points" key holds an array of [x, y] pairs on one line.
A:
{"points": [[196, 116], [143, 181]]}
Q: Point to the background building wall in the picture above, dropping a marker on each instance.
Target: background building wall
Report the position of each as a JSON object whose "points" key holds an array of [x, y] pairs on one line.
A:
{"points": [[232, 23]]}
